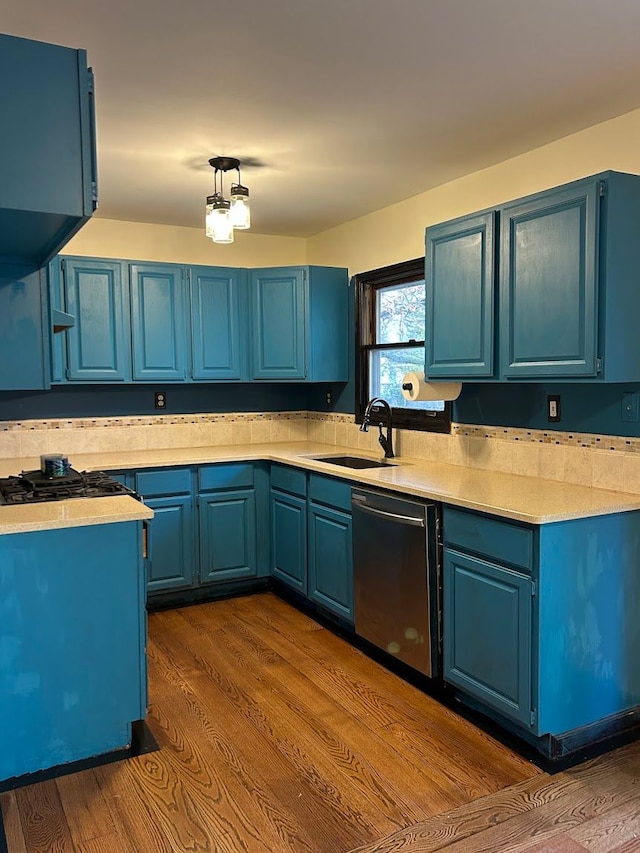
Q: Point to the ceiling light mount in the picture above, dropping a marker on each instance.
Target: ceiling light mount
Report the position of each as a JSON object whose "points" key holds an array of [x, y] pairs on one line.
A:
{"points": [[222, 216]]}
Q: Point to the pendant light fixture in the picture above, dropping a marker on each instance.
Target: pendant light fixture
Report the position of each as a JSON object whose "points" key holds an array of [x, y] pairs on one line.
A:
{"points": [[222, 216]]}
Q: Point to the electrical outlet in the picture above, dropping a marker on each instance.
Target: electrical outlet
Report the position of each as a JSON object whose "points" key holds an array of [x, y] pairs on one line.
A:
{"points": [[631, 406], [329, 397], [553, 408], [160, 400]]}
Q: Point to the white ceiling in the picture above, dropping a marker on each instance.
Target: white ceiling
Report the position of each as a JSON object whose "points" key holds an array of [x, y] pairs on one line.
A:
{"points": [[347, 105]]}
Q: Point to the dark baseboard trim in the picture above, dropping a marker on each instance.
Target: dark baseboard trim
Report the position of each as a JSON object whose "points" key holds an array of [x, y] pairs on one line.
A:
{"points": [[142, 741], [200, 595]]}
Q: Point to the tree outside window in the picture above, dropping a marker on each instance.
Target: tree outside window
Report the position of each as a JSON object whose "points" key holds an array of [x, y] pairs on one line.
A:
{"points": [[390, 342]]}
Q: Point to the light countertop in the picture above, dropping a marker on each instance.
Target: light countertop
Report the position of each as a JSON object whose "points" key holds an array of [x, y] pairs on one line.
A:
{"points": [[79, 512], [528, 499]]}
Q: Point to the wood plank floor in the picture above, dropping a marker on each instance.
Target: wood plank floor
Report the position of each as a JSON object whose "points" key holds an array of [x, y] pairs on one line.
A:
{"points": [[278, 736]]}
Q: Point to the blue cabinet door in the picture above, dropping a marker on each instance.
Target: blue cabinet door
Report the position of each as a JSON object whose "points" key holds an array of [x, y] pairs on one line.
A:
{"points": [[289, 539], [487, 633], [278, 323], [217, 311], [227, 535], [460, 283], [24, 343], [170, 543], [548, 274], [47, 163], [331, 559], [158, 322], [97, 295]]}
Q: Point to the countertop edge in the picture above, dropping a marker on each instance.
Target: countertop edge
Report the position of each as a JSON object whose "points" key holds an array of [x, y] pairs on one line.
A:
{"points": [[411, 476]]}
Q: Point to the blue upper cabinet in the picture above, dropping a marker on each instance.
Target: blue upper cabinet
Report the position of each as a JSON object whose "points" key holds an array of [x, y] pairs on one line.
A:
{"points": [[96, 293], [278, 312], [460, 297], [299, 323], [563, 299], [158, 322], [48, 184], [548, 280], [24, 344], [218, 310]]}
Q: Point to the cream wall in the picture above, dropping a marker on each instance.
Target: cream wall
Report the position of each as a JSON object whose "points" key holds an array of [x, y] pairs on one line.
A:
{"points": [[396, 233], [109, 238], [389, 235]]}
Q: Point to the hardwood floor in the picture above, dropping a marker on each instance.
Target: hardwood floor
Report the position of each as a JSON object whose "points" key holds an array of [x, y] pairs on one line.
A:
{"points": [[277, 736]]}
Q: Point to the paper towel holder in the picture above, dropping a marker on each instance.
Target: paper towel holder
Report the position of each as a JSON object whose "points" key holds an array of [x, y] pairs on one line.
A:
{"points": [[415, 386]]}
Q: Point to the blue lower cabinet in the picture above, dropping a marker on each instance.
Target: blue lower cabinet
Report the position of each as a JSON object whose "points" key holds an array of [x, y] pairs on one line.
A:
{"points": [[227, 523], [331, 559], [487, 619], [170, 543], [73, 666], [289, 539]]}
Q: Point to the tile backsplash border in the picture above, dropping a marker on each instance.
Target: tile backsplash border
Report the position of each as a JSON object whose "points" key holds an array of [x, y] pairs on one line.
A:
{"points": [[603, 461]]}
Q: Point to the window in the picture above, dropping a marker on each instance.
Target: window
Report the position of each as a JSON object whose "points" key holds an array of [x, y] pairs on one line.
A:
{"points": [[390, 323]]}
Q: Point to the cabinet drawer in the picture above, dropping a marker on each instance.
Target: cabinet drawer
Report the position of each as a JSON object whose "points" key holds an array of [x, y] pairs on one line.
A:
{"points": [[165, 481], [328, 490], [292, 480], [499, 540], [236, 475]]}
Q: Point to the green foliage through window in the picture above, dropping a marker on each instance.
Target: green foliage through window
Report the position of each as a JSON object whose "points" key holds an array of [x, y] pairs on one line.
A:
{"points": [[391, 330]]}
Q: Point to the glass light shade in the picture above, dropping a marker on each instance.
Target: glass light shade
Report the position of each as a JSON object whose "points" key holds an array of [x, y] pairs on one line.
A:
{"points": [[240, 210], [218, 220]]}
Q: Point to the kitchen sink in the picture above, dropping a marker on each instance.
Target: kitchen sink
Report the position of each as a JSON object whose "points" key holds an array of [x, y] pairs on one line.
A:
{"points": [[353, 461]]}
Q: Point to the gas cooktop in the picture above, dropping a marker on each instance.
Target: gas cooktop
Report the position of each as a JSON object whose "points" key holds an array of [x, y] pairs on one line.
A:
{"points": [[35, 487]]}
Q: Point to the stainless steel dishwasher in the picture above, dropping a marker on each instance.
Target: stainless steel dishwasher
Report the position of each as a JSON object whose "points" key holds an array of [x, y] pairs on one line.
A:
{"points": [[397, 582]]}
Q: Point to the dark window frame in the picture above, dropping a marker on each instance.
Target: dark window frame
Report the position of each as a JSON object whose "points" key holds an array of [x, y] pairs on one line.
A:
{"points": [[366, 286]]}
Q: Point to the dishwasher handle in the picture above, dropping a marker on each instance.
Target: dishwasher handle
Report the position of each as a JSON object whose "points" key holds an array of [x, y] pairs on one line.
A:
{"points": [[413, 520]]}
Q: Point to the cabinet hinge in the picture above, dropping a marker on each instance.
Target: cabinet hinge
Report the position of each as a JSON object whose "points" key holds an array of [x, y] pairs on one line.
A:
{"points": [[532, 718], [534, 589], [598, 365], [94, 193], [602, 188], [67, 373], [90, 81]]}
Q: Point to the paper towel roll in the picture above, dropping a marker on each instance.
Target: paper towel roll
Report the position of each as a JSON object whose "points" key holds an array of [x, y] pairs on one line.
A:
{"points": [[416, 387]]}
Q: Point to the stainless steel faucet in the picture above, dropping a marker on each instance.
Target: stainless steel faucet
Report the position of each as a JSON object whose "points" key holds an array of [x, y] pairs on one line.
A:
{"points": [[385, 441]]}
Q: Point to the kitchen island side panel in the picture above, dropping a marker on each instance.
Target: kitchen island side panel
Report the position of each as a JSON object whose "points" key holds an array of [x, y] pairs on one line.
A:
{"points": [[589, 620], [72, 665]]}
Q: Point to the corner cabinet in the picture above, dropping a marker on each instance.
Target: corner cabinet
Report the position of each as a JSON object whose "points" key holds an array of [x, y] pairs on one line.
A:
{"points": [[540, 288], [48, 182], [532, 619], [299, 323]]}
